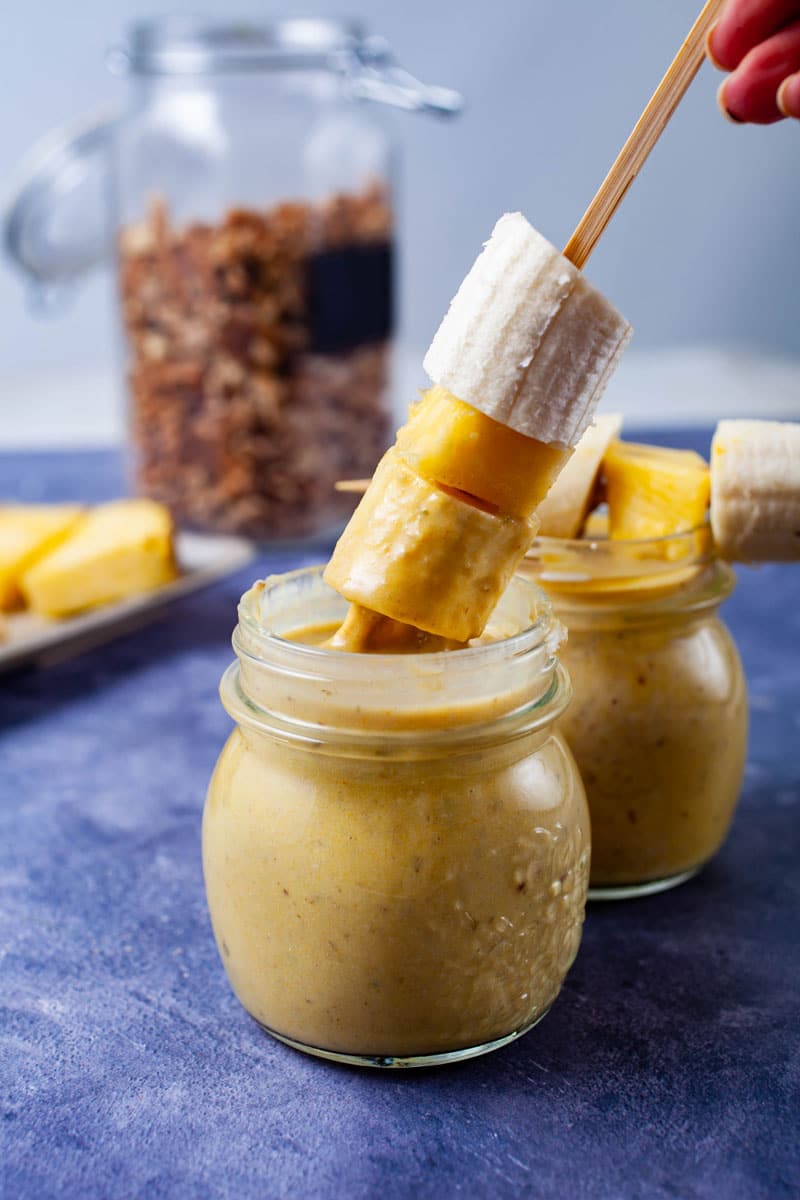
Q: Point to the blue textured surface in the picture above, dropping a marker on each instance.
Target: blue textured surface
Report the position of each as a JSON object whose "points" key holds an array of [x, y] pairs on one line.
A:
{"points": [[668, 1067]]}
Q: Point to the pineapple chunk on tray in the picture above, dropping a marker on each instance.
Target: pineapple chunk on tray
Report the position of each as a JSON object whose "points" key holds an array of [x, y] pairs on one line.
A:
{"points": [[116, 568]]}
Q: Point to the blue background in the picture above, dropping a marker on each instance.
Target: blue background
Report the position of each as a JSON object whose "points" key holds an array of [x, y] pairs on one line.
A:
{"points": [[704, 250]]}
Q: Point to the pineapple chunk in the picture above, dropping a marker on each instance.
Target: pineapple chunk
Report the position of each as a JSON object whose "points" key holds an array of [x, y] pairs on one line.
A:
{"points": [[119, 549], [27, 532], [450, 443], [654, 492]]}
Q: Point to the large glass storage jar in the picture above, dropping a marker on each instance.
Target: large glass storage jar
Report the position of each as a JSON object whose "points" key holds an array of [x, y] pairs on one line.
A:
{"points": [[396, 847], [252, 220], [658, 724]]}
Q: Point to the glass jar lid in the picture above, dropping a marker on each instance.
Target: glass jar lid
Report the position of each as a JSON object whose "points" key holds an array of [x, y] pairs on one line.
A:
{"points": [[194, 46]]}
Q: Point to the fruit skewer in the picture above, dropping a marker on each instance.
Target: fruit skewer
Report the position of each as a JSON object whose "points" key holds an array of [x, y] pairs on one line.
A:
{"points": [[520, 362]]}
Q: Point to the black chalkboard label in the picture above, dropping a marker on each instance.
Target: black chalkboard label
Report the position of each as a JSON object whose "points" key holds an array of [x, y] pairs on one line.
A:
{"points": [[350, 297]]}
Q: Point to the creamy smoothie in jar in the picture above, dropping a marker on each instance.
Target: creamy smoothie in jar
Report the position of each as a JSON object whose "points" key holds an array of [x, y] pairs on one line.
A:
{"points": [[658, 723], [395, 846]]}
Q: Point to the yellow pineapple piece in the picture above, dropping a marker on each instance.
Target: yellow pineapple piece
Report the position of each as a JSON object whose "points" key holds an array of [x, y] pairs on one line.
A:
{"points": [[451, 443], [27, 532], [119, 549], [654, 492]]}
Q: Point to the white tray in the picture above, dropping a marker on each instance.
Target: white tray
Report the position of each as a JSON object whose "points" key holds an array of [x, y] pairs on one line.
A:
{"points": [[202, 558]]}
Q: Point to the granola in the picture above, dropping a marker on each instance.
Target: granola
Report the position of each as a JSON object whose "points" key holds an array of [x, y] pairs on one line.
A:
{"points": [[259, 360]]}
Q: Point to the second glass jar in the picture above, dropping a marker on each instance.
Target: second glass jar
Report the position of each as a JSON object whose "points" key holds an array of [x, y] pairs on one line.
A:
{"points": [[658, 724]]}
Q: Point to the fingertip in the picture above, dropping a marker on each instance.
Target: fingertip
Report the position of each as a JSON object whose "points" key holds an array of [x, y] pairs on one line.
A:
{"points": [[751, 93], [788, 97], [710, 55], [723, 105], [724, 47], [782, 99]]}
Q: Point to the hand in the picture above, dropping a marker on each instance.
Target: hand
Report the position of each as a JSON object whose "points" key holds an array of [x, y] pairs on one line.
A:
{"points": [[759, 42]]}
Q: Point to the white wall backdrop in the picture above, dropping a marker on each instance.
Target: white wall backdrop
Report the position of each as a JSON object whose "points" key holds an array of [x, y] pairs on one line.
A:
{"points": [[706, 249]]}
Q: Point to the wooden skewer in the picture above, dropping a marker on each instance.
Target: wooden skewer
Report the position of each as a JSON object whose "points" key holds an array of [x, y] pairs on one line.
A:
{"points": [[352, 485], [630, 160], [646, 133]]}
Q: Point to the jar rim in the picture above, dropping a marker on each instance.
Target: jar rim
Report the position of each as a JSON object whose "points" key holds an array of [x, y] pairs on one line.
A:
{"points": [[678, 572], [413, 705], [186, 45], [404, 744], [469, 658], [586, 557]]}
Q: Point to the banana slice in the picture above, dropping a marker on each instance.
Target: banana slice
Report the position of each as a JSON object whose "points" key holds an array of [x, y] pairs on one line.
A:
{"points": [[527, 340], [755, 490], [563, 510]]}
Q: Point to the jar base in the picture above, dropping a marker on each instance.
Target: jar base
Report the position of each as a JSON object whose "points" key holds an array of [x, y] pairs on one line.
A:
{"points": [[404, 1061], [631, 891]]}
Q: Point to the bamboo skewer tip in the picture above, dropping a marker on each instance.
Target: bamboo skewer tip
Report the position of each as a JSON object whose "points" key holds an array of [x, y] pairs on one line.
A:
{"points": [[351, 485], [645, 134]]}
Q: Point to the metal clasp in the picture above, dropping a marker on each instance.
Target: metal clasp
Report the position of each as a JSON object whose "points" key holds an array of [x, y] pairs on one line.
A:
{"points": [[372, 73]]}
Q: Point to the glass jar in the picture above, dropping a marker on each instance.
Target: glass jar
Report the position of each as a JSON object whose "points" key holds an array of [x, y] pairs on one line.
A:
{"points": [[396, 847], [246, 194], [658, 725]]}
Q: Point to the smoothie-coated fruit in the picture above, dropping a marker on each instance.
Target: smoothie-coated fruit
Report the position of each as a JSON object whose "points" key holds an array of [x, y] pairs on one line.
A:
{"points": [[425, 556]]}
